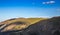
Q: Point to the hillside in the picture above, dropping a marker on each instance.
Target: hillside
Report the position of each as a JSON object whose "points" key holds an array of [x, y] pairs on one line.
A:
{"points": [[18, 23]]}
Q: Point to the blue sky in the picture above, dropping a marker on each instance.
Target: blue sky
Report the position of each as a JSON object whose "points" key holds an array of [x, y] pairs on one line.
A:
{"points": [[28, 8]]}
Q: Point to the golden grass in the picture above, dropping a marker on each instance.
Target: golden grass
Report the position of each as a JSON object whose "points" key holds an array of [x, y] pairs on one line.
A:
{"points": [[28, 21], [34, 20]]}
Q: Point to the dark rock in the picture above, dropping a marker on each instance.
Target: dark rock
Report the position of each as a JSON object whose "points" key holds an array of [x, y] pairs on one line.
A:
{"points": [[46, 27]]}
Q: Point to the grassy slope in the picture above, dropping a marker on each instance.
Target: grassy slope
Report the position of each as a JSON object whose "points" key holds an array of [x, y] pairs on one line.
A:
{"points": [[18, 27], [34, 20]]}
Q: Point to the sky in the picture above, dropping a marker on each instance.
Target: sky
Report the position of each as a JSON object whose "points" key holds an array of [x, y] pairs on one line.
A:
{"points": [[29, 8]]}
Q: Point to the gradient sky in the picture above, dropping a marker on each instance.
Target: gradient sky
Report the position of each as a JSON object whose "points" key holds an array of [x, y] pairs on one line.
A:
{"points": [[28, 8]]}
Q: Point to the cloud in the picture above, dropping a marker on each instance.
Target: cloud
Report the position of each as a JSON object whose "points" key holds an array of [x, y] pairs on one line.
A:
{"points": [[52, 1], [48, 2]]}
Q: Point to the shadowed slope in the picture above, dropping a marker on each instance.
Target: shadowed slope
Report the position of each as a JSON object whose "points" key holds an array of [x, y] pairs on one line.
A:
{"points": [[46, 27]]}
